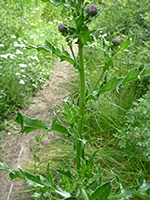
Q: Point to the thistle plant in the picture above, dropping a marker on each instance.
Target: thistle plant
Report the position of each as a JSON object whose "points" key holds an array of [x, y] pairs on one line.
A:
{"points": [[85, 182], [116, 41]]}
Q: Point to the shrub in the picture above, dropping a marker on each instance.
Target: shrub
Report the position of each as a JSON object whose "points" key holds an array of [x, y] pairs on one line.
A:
{"points": [[134, 136]]}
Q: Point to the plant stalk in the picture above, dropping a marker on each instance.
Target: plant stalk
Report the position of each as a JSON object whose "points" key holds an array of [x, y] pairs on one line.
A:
{"points": [[79, 149]]}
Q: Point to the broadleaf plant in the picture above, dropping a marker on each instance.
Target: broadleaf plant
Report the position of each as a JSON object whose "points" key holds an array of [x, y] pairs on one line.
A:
{"points": [[85, 182]]}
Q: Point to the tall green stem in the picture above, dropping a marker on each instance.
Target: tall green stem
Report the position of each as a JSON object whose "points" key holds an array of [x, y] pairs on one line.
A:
{"points": [[81, 106]]}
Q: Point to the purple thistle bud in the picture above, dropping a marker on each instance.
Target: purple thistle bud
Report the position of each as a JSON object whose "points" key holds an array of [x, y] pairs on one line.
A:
{"points": [[116, 41], [63, 29], [92, 10]]}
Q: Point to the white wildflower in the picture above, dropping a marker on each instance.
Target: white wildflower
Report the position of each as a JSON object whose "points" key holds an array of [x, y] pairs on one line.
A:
{"points": [[22, 70], [18, 51], [23, 76], [4, 56], [34, 58], [22, 65], [13, 37], [1, 45], [21, 82], [34, 85], [11, 56], [1, 67], [17, 74], [16, 44]]}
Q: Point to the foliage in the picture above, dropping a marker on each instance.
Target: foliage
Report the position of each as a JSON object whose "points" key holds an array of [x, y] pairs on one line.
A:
{"points": [[134, 135], [85, 181], [27, 70], [125, 17]]}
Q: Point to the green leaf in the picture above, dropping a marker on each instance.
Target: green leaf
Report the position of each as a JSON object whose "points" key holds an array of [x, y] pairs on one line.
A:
{"points": [[124, 45], [43, 47], [16, 174], [111, 84], [4, 167], [102, 192], [33, 183], [132, 75], [145, 72], [63, 55], [86, 35], [28, 124], [49, 47], [53, 49], [67, 58], [58, 126], [115, 83], [79, 22]]}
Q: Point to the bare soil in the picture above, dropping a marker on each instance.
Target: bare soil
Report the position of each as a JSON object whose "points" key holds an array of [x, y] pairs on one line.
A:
{"points": [[17, 146]]}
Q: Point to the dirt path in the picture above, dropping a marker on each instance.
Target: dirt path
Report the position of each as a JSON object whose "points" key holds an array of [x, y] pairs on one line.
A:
{"points": [[17, 145]]}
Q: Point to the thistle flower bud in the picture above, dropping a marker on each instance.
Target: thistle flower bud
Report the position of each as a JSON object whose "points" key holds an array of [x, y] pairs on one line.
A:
{"points": [[116, 41], [92, 10], [63, 29]]}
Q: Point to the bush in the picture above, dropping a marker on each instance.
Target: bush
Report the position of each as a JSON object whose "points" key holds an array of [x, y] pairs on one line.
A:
{"points": [[134, 136]]}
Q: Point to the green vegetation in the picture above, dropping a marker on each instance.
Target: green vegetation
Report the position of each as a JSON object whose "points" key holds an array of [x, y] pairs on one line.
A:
{"points": [[108, 120], [23, 23]]}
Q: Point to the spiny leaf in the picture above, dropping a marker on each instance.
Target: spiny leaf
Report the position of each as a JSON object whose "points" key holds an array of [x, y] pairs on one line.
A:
{"points": [[58, 126], [28, 124]]}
